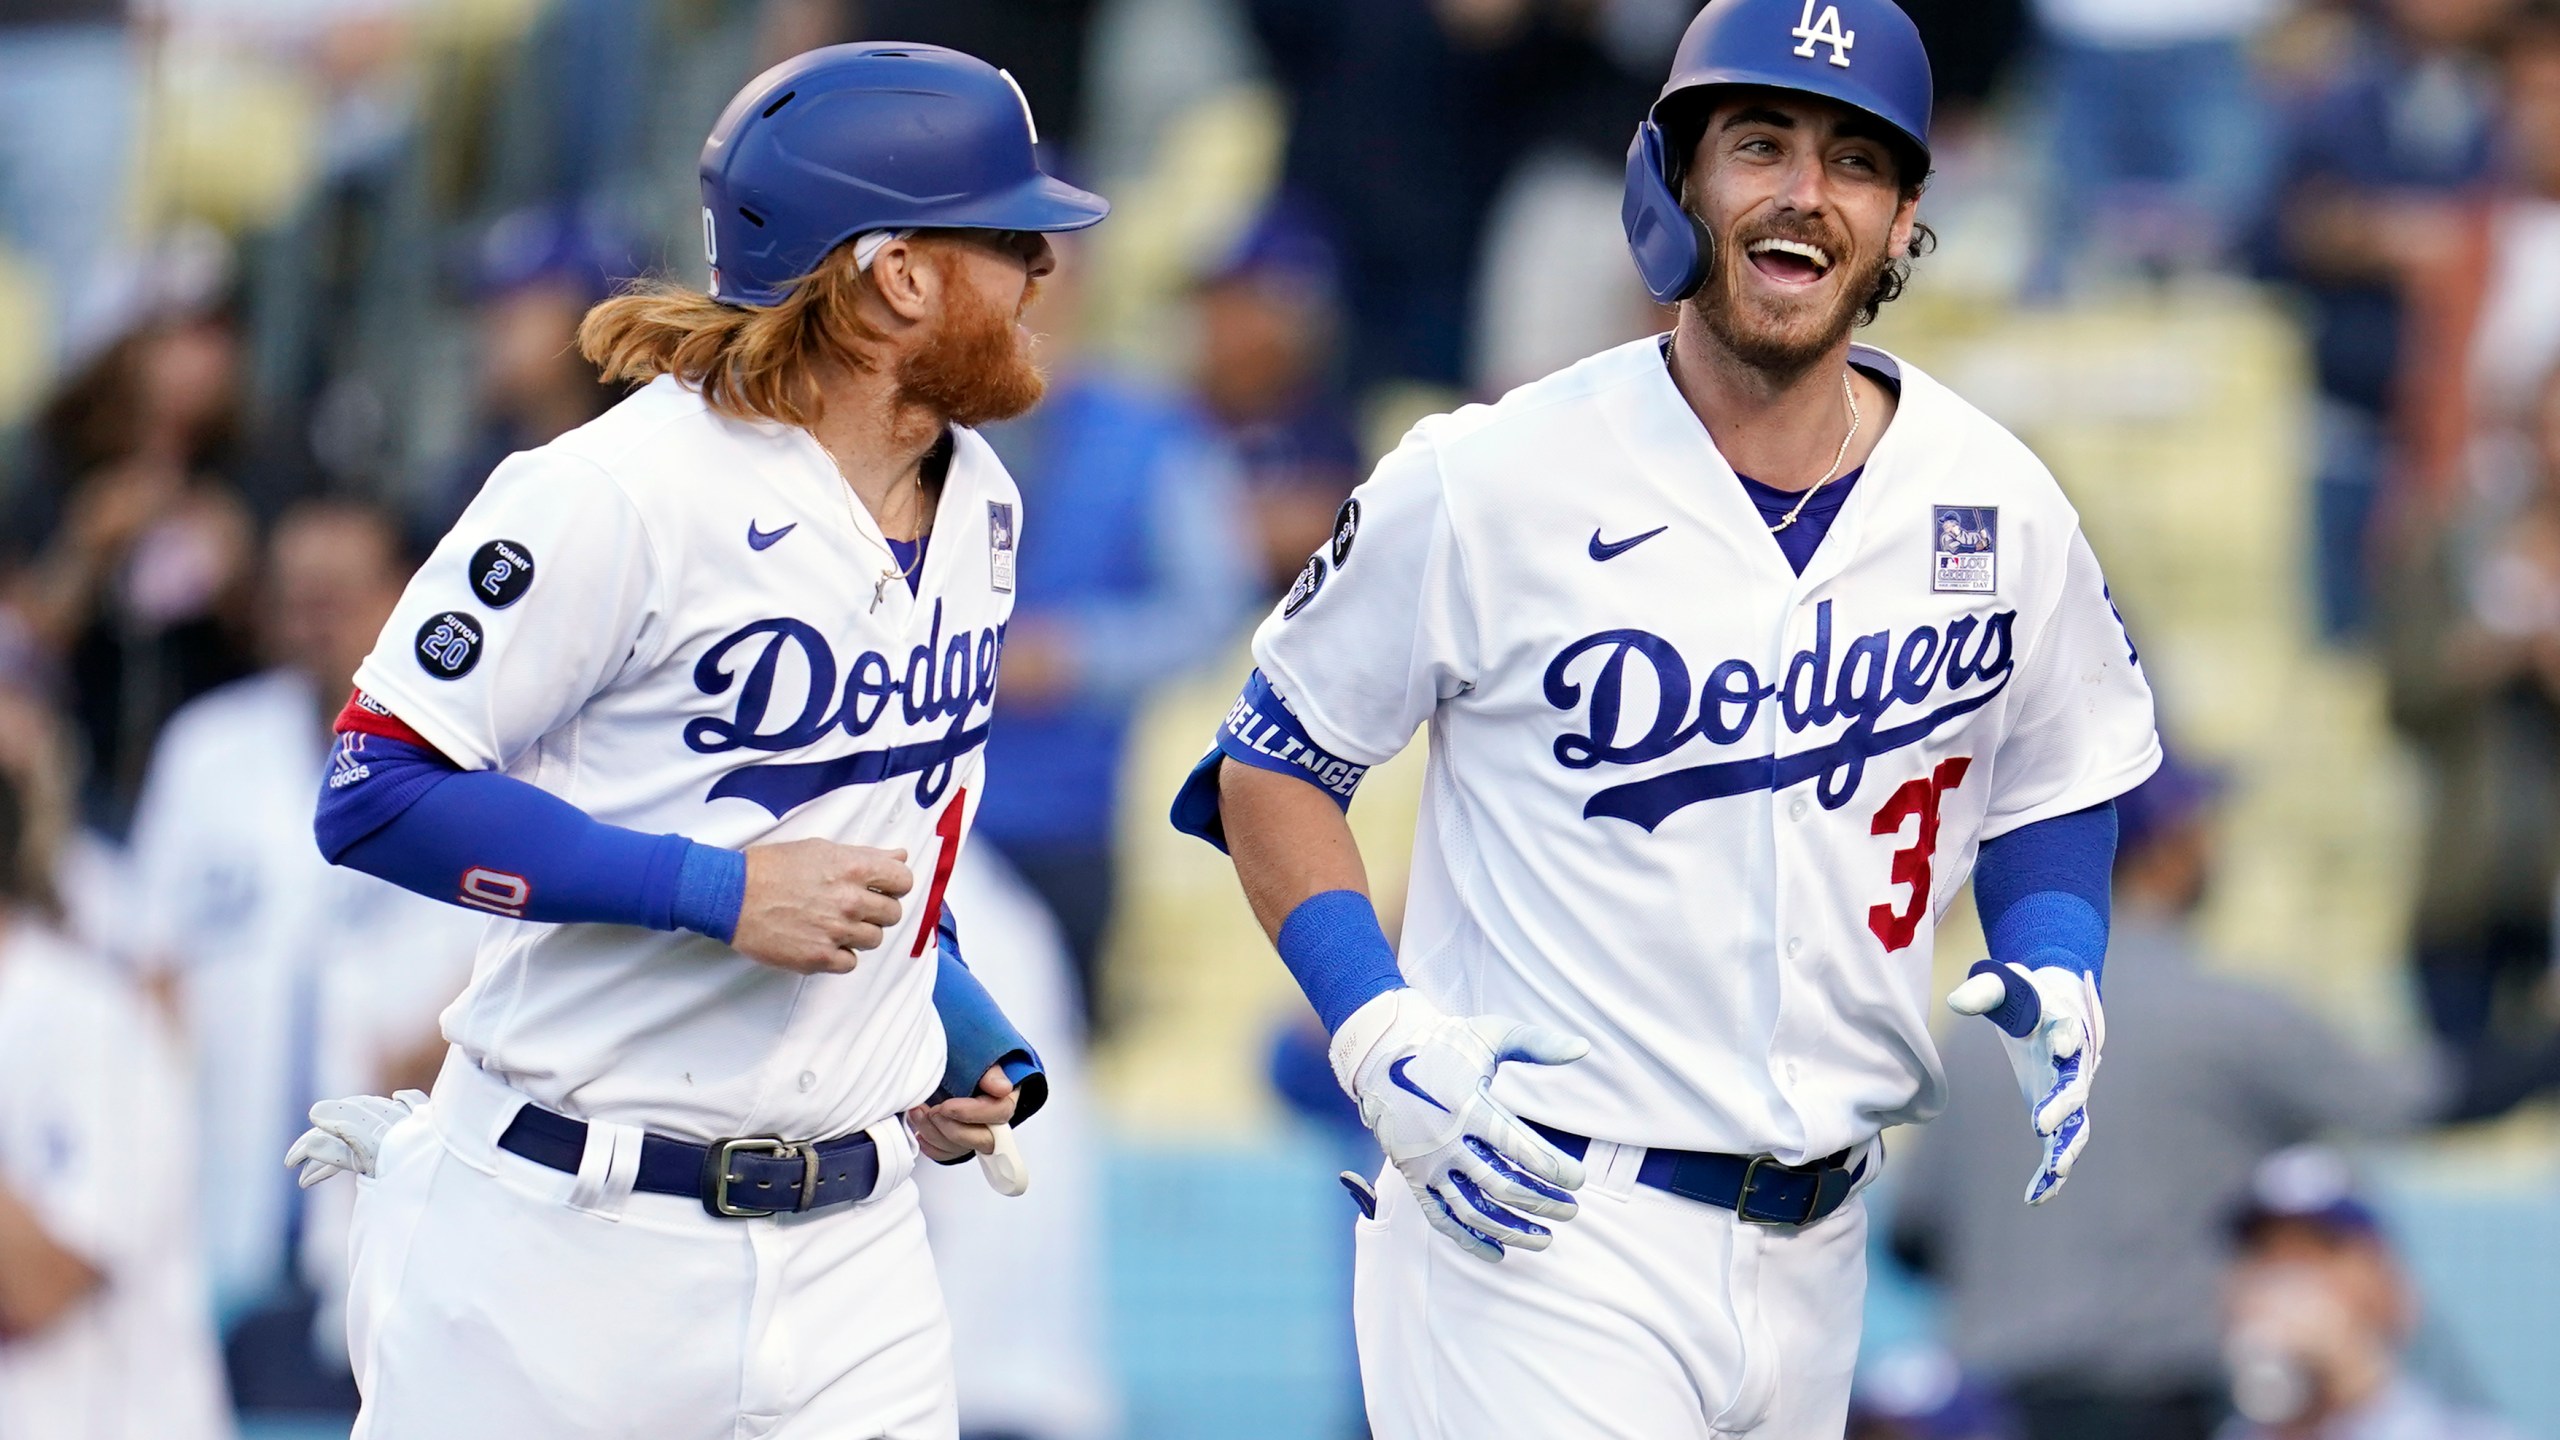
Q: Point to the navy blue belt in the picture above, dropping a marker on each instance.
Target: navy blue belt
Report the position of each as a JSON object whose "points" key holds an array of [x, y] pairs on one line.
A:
{"points": [[1756, 1188], [737, 1179]]}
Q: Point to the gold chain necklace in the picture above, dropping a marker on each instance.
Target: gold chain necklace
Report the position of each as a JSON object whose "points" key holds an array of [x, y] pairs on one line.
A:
{"points": [[1851, 395], [893, 571]]}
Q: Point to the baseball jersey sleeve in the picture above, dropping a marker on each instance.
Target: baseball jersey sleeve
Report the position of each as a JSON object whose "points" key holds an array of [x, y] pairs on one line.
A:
{"points": [[2084, 732], [543, 594], [1380, 627]]}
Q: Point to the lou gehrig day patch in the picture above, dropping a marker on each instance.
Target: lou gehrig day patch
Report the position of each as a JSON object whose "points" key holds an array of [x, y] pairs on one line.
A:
{"points": [[1965, 550], [1000, 546]]}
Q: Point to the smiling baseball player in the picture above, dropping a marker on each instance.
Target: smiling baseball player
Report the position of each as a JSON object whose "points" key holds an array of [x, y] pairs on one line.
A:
{"points": [[692, 701], [1739, 649]]}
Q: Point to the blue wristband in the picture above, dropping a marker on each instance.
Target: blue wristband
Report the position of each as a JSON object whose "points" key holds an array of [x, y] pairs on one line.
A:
{"points": [[711, 888], [1338, 952]]}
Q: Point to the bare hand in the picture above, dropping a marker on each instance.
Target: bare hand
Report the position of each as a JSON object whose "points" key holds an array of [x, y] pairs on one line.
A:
{"points": [[958, 1126], [811, 904]]}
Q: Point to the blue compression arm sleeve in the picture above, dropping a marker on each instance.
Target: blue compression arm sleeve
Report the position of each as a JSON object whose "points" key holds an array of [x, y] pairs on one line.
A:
{"points": [[1338, 952], [2043, 891], [492, 842], [976, 1033]]}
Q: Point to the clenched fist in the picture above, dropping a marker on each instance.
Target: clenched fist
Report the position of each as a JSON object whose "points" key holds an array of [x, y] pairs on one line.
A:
{"points": [[811, 904]]}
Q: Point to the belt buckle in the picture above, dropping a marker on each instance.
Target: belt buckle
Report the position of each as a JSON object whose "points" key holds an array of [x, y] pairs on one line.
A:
{"points": [[715, 1186], [1751, 1177]]}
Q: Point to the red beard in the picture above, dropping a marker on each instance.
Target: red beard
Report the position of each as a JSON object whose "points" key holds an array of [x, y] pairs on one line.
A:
{"points": [[976, 368]]}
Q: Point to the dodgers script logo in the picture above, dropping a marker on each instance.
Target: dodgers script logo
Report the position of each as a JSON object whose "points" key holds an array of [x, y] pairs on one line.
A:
{"points": [[1970, 661], [943, 681]]}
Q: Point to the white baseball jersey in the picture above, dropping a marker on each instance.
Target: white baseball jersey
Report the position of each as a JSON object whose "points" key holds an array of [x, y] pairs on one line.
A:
{"points": [[296, 979], [95, 1133], [1681, 800], [667, 618]]}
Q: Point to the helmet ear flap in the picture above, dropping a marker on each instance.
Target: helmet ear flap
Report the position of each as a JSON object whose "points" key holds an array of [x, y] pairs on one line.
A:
{"points": [[1672, 250]]}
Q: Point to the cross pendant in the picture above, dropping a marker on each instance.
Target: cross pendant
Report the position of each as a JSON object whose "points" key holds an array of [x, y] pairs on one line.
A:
{"points": [[880, 589]]}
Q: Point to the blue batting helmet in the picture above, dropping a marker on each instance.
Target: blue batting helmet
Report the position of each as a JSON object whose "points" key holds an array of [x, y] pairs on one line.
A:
{"points": [[876, 136], [1865, 54]]}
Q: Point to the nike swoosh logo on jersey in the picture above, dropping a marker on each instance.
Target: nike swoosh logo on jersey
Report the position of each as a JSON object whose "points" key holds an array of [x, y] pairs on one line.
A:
{"points": [[766, 539], [1605, 550], [1405, 1083]]}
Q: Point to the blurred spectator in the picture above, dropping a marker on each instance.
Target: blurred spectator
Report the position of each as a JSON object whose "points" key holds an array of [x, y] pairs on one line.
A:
{"points": [[103, 1332], [2473, 654], [124, 560], [67, 110], [2485, 312], [1403, 117], [1023, 1277], [2159, 142], [2378, 156], [2098, 1310], [1270, 334], [1971, 45], [2319, 1315], [537, 272], [1919, 1392], [296, 979], [1134, 567]]}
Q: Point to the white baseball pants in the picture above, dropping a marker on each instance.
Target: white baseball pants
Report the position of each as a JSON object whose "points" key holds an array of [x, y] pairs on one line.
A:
{"points": [[1651, 1317], [499, 1299]]}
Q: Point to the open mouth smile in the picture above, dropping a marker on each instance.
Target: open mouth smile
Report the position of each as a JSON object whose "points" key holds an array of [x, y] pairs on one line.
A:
{"points": [[1791, 263]]}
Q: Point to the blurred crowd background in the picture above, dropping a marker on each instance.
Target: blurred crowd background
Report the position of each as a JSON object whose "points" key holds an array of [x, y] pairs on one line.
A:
{"points": [[2273, 285]]}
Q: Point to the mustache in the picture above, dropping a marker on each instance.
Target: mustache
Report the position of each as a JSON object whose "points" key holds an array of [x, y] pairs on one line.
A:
{"points": [[1802, 231]]}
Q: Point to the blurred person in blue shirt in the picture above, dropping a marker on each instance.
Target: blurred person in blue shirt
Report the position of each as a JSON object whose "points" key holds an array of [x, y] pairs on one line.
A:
{"points": [[2377, 157], [534, 272], [1135, 565], [1270, 325], [2319, 1317], [2156, 127]]}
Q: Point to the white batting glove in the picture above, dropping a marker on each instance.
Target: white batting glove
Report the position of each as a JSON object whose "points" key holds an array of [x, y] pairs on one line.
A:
{"points": [[2053, 1026], [346, 1134], [1422, 1079]]}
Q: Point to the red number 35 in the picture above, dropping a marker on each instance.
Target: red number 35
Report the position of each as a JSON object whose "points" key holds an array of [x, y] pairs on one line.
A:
{"points": [[1917, 799]]}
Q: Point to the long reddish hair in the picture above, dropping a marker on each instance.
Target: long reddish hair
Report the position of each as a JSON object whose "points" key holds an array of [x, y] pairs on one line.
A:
{"points": [[758, 362]]}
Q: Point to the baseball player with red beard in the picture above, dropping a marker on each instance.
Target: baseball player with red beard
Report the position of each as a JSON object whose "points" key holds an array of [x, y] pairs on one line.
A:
{"points": [[1739, 648], [692, 702]]}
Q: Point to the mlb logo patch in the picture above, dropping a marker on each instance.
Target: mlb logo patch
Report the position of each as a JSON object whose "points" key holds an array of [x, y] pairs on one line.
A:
{"points": [[1000, 546], [1964, 554]]}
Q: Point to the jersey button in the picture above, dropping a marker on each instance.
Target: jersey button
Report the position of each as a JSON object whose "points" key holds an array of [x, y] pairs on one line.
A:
{"points": [[1795, 946], [808, 1080], [1796, 810]]}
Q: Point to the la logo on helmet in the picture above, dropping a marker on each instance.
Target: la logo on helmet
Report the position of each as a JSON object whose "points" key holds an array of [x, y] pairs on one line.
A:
{"points": [[1825, 31]]}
